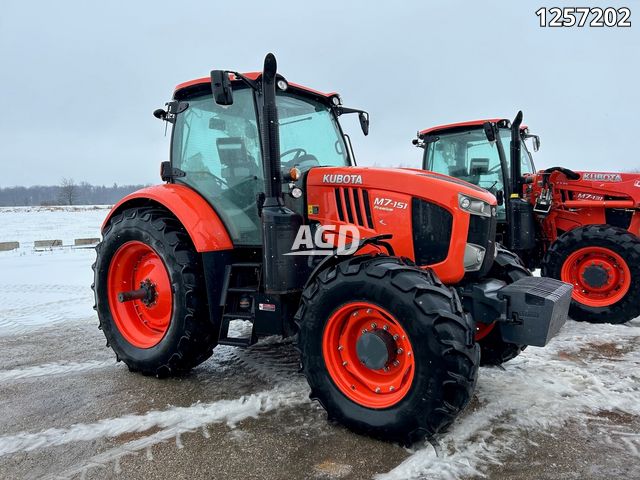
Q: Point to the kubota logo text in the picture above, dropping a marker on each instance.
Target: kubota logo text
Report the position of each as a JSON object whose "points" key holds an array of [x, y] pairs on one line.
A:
{"points": [[323, 240], [339, 178], [602, 177]]}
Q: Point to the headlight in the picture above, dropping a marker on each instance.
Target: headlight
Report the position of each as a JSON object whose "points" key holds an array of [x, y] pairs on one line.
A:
{"points": [[473, 257], [474, 206]]}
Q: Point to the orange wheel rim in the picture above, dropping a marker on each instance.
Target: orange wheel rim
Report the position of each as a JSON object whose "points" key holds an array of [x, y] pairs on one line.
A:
{"points": [[483, 329], [142, 322], [599, 275], [350, 330]]}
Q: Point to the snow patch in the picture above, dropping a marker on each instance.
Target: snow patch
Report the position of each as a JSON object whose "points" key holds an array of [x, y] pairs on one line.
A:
{"points": [[49, 369], [45, 289], [176, 420]]}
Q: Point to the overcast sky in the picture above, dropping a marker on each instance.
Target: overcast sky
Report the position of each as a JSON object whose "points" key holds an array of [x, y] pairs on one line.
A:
{"points": [[79, 80]]}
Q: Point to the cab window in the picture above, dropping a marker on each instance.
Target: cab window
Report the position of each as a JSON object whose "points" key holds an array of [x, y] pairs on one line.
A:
{"points": [[218, 148]]}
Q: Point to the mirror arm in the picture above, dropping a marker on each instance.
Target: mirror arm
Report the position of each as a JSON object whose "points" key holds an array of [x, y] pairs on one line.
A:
{"points": [[251, 83], [340, 110]]}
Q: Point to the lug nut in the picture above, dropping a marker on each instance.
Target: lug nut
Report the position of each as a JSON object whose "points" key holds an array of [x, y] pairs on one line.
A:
{"points": [[392, 388], [344, 364], [385, 327], [373, 326], [396, 337], [396, 363], [386, 369], [377, 389], [408, 354], [399, 351], [364, 331], [355, 314], [340, 348], [368, 310]]}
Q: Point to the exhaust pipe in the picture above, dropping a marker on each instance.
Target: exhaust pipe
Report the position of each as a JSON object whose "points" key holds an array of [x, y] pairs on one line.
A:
{"points": [[520, 219], [270, 134], [516, 170], [282, 273]]}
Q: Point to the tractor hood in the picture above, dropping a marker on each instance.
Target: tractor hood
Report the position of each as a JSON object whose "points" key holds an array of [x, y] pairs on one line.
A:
{"points": [[423, 184], [423, 211]]}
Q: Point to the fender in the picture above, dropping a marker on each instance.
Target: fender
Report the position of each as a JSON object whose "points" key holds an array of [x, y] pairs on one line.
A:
{"points": [[202, 223]]}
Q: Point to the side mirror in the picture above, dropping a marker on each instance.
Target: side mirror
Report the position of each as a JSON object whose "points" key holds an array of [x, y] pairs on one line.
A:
{"points": [[221, 87], [160, 113], [489, 132], [536, 142], [500, 197], [364, 122]]}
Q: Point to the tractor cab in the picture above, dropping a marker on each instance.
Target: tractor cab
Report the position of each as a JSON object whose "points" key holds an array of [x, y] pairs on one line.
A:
{"points": [[217, 149], [465, 151]]}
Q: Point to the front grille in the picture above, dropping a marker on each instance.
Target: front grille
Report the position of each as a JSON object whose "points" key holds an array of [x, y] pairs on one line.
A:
{"points": [[431, 225], [353, 206], [482, 232]]}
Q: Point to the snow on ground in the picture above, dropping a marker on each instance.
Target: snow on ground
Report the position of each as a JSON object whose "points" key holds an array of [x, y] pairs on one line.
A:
{"points": [[39, 289], [586, 369], [43, 289], [26, 224]]}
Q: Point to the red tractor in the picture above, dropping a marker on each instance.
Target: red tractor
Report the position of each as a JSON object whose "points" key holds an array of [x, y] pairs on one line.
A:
{"points": [[386, 299], [579, 227]]}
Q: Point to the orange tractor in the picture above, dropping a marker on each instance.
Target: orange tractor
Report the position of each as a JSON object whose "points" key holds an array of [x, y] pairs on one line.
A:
{"points": [[579, 227], [384, 275]]}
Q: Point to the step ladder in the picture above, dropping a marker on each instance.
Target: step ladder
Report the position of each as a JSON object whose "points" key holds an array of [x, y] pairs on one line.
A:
{"points": [[240, 279]]}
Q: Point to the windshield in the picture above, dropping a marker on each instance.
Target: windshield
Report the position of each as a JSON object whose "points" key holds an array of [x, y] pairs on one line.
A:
{"points": [[219, 150], [309, 134], [469, 156]]}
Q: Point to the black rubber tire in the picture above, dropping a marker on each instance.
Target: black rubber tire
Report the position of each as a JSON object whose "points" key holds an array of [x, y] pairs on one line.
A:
{"points": [[191, 337], [446, 357], [493, 349], [621, 241]]}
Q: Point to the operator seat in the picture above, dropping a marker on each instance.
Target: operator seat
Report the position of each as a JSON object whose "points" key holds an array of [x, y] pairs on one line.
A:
{"points": [[477, 167], [237, 165]]}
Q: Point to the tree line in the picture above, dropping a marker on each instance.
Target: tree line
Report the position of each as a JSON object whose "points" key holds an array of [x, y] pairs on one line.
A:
{"points": [[68, 192]]}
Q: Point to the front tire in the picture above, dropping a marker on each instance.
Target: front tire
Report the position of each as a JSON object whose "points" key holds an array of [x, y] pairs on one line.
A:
{"points": [[351, 313], [601, 262], [168, 332]]}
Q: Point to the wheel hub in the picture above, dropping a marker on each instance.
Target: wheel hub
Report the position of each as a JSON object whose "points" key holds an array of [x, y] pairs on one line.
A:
{"points": [[595, 276], [376, 349]]}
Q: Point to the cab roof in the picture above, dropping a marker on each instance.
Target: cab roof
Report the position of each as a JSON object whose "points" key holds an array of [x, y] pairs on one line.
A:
{"points": [[470, 123], [251, 76]]}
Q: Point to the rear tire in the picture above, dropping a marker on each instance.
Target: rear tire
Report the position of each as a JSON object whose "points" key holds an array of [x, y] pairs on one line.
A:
{"points": [[183, 336], [615, 254], [406, 299], [493, 349]]}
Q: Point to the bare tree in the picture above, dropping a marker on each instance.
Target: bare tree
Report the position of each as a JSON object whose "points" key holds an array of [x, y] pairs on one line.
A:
{"points": [[68, 191]]}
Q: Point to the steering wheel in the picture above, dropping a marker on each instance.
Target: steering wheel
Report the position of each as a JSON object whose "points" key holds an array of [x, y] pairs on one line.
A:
{"points": [[299, 152]]}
